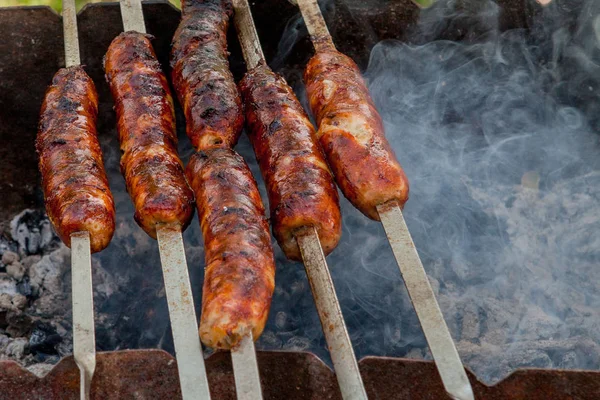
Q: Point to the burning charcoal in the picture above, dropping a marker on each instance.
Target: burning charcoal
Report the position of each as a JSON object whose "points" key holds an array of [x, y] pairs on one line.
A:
{"points": [[19, 324], [16, 348], [5, 302], [32, 230], [47, 274], [24, 287], [9, 257], [7, 285], [30, 260], [44, 339], [16, 270], [19, 301], [471, 329]]}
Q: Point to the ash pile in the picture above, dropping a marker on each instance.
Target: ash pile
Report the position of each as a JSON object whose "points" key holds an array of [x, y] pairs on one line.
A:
{"points": [[35, 294], [35, 325]]}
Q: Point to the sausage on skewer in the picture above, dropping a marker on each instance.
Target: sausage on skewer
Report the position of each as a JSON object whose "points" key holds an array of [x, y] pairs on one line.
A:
{"points": [[146, 124], [201, 76], [351, 133], [299, 184], [74, 182], [240, 270], [239, 275]]}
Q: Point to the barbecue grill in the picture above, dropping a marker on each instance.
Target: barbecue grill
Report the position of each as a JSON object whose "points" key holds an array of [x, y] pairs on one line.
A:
{"points": [[30, 54]]}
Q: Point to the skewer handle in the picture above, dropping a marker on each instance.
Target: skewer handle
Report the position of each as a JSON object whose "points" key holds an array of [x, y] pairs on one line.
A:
{"points": [[315, 23], [69, 15], [247, 35], [423, 298], [332, 320], [188, 351], [84, 337]]}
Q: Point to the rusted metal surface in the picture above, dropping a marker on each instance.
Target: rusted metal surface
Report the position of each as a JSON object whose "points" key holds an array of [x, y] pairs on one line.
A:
{"points": [[152, 374], [390, 378]]}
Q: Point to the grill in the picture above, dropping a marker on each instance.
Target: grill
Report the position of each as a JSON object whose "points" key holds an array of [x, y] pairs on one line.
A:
{"points": [[29, 59]]}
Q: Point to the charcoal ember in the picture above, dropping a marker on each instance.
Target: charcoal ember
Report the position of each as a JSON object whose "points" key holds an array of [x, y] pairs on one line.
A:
{"points": [[30, 260], [16, 270], [16, 348], [19, 323], [19, 301], [536, 325], [12, 302], [44, 340], [32, 231], [9, 257], [470, 323], [6, 302], [6, 245], [47, 275], [7, 284], [24, 287]]}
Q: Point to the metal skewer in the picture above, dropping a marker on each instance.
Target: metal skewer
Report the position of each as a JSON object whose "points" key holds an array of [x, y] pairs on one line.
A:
{"points": [[328, 307], [184, 325], [84, 336], [436, 331], [245, 370]]}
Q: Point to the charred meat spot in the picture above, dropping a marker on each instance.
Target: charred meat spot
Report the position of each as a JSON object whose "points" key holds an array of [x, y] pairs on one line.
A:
{"points": [[66, 104], [274, 126], [209, 113]]}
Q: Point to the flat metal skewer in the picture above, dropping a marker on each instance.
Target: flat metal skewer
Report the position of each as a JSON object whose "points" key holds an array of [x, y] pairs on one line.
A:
{"points": [[188, 350], [245, 370], [330, 314], [422, 296], [84, 336], [327, 303], [182, 313]]}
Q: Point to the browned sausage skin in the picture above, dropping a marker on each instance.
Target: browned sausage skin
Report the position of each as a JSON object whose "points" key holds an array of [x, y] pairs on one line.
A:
{"points": [[240, 269], [299, 184], [146, 124], [73, 178], [351, 133], [201, 76]]}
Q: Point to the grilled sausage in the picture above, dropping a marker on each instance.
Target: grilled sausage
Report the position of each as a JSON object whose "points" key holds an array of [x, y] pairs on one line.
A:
{"points": [[146, 124], [201, 76], [351, 133], [73, 178], [240, 270], [299, 184]]}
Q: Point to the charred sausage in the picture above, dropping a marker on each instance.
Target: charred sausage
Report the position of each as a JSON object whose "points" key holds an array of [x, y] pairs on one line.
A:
{"points": [[351, 133], [201, 76], [240, 270], [73, 178], [300, 186], [146, 123]]}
